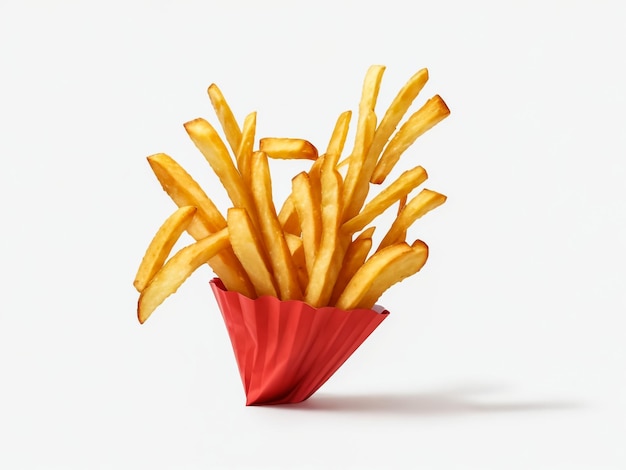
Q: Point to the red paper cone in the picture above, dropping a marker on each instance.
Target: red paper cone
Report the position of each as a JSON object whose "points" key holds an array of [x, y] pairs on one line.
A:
{"points": [[286, 350]]}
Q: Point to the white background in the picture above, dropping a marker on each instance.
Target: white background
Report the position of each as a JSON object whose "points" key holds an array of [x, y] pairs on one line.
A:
{"points": [[507, 351]]}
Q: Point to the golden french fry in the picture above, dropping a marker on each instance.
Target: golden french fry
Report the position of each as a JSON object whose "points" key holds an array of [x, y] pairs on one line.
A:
{"points": [[244, 153], [366, 127], [433, 112], [399, 269], [387, 126], [214, 150], [405, 183], [296, 248], [185, 191], [309, 216], [402, 203], [364, 278], [330, 254], [226, 117], [315, 179], [288, 217], [338, 139], [398, 108], [162, 244], [352, 204], [355, 257], [367, 233], [285, 148], [249, 249], [283, 267], [421, 204], [177, 269]]}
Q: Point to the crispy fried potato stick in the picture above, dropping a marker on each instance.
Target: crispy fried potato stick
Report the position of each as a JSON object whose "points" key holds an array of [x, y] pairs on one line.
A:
{"points": [[338, 139], [248, 247], [364, 278], [185, 191], [296, 249], [366, 127], [309, 216], [401, 203], [212, 147], [399, 269], [384, 269], [405, 183], [285, 273], [396, 111], [288, 217], [420, 205], [287, 148], [162, 244], [355, 257], [178, 268], [352, 205], [226, 117], [244, 153], [433, 112], [330, 254], [387, 126]]}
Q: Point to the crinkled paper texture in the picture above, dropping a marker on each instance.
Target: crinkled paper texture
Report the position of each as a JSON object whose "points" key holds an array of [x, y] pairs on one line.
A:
{"points": [[286, 350]]}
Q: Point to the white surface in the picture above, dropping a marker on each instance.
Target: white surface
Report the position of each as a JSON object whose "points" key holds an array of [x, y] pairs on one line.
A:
{"points": [[507, 352]]}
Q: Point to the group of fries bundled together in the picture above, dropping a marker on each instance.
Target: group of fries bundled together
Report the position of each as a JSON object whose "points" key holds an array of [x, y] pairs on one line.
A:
{"points": [[318, 247]]}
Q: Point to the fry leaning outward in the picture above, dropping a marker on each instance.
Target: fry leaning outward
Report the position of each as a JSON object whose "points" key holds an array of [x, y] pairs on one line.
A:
{"points": [[306, 248]]}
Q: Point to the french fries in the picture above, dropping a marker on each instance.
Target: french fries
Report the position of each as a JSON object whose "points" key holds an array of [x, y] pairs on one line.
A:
{"points": [[283, 266], [288, 149], [318, 247], [434, 111], [162, 244], [178, 268]]}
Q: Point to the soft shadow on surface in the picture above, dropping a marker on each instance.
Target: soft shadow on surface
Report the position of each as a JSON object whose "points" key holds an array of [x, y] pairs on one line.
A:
{"points": [[451, 401]]}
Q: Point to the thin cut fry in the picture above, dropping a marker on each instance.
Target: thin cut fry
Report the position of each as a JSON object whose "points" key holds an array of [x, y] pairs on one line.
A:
{"points": [[288, 217], [287, 148], [330, 254], [309, 216], [244, 153], [226, 117], [363, 279], [405, 183], [366, 127], [296, 249], [273, 237], [249, 249], [396, 271], [433, 112], [352, 204], [338, 139], [387, 126], [401, 203], [185, 191], [420, 205], [398, 108], [212, 147], [170, 277], [162, 244], [355, 257]]}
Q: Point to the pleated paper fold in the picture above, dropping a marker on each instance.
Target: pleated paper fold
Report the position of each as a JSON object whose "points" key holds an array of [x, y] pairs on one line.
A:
{"points": [[286, 350]]}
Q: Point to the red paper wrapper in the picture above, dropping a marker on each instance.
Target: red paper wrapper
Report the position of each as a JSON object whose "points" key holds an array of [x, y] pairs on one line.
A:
{"points": [[286, 350]]}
